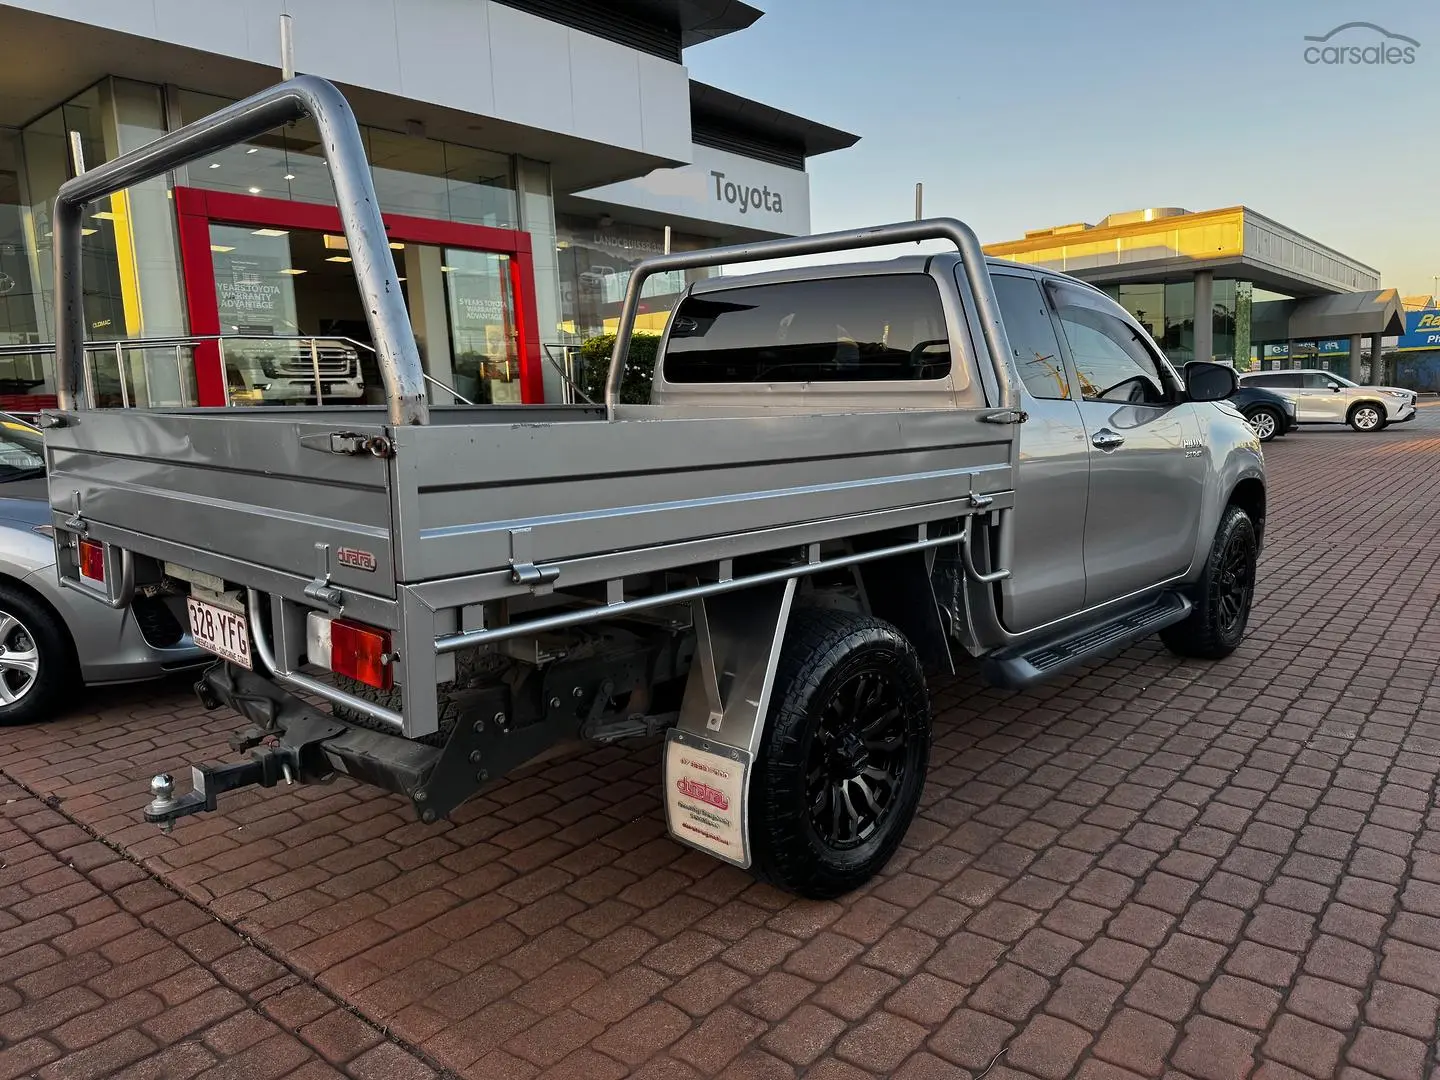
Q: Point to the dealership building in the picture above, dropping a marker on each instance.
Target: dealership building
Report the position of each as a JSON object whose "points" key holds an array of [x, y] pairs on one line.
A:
{"points": [[526, 155], [1276, 297]]}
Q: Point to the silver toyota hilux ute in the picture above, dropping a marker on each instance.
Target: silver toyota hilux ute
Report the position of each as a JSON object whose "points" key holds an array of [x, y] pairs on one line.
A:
{"points": [[843, 477]]}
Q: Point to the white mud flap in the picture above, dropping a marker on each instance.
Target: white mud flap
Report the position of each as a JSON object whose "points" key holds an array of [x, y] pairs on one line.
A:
{"points": [[707, 787], [710, 752]]}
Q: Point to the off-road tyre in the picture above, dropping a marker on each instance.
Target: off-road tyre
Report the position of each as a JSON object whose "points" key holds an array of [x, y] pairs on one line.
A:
{"points": [[826, 654], [1216, 625]]}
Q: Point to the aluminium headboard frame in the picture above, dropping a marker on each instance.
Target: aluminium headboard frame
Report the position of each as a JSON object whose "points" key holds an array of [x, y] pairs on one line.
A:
{"points": [[972, 257], [373, 264]]}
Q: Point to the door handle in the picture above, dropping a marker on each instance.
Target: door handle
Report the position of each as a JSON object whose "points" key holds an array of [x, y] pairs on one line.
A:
{"points": [[1105, 439]]}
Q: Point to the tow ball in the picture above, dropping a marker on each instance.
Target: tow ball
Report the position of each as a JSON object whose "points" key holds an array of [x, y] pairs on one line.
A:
{"points": [[266, 768]]}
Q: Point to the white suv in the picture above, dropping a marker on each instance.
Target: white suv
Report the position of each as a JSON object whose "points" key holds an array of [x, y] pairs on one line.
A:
{"points": [[1322, 397]]}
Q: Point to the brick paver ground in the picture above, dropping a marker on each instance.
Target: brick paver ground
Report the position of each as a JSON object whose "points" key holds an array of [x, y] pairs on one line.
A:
{"points": [[106, 973], [1149, 868]]}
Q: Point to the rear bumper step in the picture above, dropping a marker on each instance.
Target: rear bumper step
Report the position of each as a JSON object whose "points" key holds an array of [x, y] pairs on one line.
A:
{"points": [[1019, 668]]}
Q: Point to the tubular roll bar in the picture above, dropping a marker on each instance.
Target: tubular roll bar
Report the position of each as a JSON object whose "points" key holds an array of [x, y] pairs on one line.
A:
{"points": [[972, 256], [374, 266]]}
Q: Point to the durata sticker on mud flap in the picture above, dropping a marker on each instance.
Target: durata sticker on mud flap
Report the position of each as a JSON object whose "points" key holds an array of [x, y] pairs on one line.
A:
{"points": [[704, 800]]}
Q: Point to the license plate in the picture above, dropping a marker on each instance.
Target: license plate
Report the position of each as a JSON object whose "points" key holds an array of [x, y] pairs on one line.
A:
{"points": [[220, 631]]}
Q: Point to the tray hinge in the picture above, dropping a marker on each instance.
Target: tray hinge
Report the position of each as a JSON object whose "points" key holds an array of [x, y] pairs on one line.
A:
{"points": [[76, 522], [320, 588], [523, 570]]}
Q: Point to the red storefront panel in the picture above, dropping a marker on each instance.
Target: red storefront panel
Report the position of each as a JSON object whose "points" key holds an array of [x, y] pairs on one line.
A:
{"points": [[198, 208]]}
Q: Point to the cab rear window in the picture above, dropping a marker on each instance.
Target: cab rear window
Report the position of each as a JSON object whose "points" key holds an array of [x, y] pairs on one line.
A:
{"points": [[876, 328]]}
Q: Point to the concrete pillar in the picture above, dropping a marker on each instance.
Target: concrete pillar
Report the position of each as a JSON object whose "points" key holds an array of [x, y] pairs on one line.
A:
{"points": [[536, 205], [1355, 346], [147, 260], [425, 285], [1204, 314], [1377, 366]]}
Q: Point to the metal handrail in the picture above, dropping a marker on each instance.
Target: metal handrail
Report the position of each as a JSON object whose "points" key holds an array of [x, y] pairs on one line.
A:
{"points": [[373, 263], [569, 384], [122, 345], [182, 340], [972, 257]]}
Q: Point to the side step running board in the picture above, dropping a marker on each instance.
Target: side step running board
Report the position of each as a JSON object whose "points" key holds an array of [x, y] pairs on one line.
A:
{"points": [[1027, 665]]}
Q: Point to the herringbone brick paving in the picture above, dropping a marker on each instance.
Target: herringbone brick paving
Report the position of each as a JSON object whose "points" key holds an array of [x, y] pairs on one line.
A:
{"points": [[1150, 868]]}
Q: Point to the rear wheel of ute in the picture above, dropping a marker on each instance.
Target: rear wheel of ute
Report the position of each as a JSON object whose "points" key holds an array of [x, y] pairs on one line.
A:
{"points": [[842, 762]]}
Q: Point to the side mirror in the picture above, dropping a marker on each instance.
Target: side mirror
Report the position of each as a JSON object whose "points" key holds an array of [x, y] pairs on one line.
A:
{"points": [[1205, 381]]}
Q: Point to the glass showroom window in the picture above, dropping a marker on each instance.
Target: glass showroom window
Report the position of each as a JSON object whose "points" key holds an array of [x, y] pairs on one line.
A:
{"points": [[129, 261], [21, 372], [483, 341], [596, 256], [414, 176]]}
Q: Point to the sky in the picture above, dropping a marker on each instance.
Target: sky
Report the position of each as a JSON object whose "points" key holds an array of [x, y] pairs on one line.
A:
{"points": [[1022, 114]]}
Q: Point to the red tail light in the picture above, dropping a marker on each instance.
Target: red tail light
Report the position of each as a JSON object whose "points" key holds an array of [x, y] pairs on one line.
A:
{"points": [[350, 648], [92, 560], [361, 652]]}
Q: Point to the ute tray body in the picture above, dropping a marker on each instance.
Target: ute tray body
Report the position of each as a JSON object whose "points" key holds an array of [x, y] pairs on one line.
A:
{"points": [[260, 496]]}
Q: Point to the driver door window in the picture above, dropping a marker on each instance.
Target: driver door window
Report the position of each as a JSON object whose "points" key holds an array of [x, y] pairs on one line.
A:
{"points": [[1111, 361]]}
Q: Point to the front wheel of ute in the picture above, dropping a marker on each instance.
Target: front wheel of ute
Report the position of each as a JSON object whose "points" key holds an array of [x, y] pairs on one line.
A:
{"points": [[1214, 628], [842, 763]]}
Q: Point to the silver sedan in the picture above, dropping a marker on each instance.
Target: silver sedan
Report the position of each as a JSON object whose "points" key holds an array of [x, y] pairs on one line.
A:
{"points": [[52, 640]]}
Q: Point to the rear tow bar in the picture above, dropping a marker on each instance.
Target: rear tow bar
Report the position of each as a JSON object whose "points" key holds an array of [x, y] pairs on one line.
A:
{"points": [[296, 755], [291, 742]]}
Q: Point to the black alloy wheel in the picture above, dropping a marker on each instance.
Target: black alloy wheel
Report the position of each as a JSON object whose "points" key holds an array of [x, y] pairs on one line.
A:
{"points": [[857, 761], [1235, 582], [842, 761], [1223, 596]]}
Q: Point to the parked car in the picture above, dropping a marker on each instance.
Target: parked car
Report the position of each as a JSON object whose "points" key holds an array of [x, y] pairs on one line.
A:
{"points": [[1322, 397], [53, 639], [1269, 414]]}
